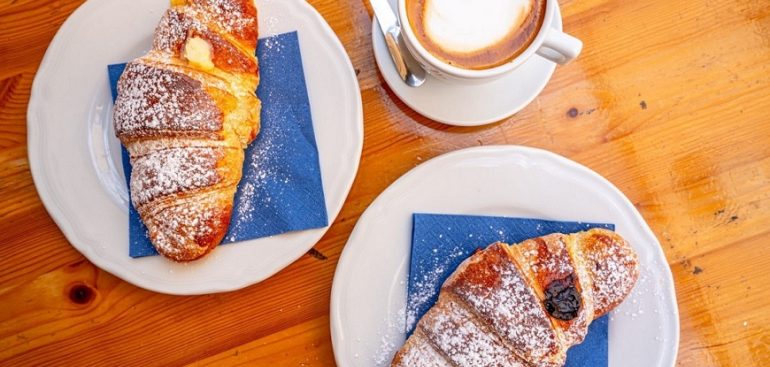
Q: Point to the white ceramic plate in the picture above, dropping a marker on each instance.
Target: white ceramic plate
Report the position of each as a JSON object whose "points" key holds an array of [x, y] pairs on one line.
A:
{"points": [[369, 291], [75, 158], [467, 105]]}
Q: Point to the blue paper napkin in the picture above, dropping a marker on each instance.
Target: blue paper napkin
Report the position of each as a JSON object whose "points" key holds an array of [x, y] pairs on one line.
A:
{"points": [[281, 189], [441, 242]]}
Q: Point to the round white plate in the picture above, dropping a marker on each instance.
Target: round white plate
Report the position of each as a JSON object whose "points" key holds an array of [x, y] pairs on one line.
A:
{"points": [[369, 291], [471, 104], [75, 157]]}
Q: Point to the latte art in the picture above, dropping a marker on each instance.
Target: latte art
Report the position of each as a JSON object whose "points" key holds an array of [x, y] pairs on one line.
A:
{"points": [[475, 34], [467, 26]]}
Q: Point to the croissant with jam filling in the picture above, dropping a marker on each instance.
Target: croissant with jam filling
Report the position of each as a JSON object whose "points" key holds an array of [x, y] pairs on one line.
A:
{"points": [[523, 305]]}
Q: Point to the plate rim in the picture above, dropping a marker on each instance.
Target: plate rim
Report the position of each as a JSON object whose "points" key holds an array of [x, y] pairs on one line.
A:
{"points": [[345, 258], [50, 202]]}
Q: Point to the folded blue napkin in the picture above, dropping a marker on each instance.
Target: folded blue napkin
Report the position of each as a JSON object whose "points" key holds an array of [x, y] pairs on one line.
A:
{"points": [[281, 189], [441, 242]]}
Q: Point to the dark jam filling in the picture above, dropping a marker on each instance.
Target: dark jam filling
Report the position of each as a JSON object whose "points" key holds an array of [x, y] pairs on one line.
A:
{"points": [[562, 299]]}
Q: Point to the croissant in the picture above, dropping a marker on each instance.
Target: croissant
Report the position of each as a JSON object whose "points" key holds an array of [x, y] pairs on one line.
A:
{"points": [[523, 305], [185, 112]]}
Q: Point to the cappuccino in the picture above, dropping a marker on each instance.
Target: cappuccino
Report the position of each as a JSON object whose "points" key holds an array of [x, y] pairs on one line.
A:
{"points": [[475, 34]]}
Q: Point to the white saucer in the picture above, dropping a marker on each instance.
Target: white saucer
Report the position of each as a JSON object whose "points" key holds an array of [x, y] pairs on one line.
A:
{"points": [[467, 105], [368, 297], [75, 157]]}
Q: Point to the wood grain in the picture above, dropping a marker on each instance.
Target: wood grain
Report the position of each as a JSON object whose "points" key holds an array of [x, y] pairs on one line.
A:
{"points": [[669, 101]]}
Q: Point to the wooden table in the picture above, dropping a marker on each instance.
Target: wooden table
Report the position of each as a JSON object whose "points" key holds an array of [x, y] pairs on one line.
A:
{"points": [[670, 101]]}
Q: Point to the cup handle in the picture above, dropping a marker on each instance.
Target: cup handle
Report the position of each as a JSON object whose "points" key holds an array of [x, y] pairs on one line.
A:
{"points": [[560, 47]]}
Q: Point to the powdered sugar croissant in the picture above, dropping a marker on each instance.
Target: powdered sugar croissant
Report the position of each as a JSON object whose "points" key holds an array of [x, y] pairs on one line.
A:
{"points": [[523, 305], [185, 112]]}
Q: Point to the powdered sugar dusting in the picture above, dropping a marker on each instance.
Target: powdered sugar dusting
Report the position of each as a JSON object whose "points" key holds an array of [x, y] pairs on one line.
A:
{"points": [[614, 267], [547, 257], [390, 338], [493, 286], [500, 286], [230, 15], [261, 171], [273, 44], [644, 286], [165, 172], [182, 23], [548, 260], [180, 230], [174, 28], [424, 287], [463, 338], [153, 99], [166, 107], [384, 350], [420, 354]]}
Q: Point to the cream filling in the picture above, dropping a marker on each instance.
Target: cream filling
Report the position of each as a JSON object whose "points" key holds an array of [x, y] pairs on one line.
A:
{"points": [[198, 53]]}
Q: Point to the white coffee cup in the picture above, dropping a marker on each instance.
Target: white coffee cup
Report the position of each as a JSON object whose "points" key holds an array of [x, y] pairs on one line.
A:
{"points": [[549, 43]]}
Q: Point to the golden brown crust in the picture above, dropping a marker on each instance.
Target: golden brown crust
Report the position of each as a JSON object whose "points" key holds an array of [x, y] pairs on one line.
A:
{"points": [[419, 352], [238, 18], [548, 259], [153, 101], [186, 123], [495, 302], [612, 265], [189, 229], [494, 287], [182, 23]]}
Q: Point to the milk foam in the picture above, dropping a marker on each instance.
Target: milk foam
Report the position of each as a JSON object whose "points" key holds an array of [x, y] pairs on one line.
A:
{"points": [[472, 25]]}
